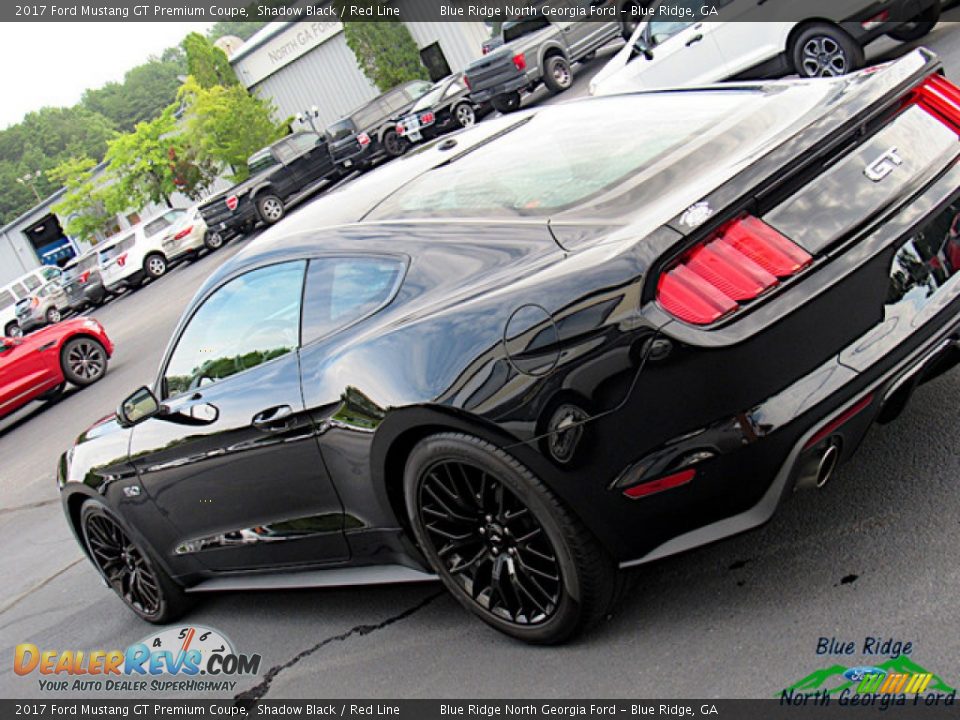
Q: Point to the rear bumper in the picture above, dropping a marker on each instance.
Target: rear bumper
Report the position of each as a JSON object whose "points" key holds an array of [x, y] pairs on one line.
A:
{"points": [[486, 94]]}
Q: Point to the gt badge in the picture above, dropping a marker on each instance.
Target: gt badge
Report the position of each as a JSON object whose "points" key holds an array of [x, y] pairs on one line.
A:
{"points": [[697, 214], [883, 165]]}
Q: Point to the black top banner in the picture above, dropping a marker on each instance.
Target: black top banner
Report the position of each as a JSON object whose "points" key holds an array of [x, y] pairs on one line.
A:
{"points": [[864, 12]]}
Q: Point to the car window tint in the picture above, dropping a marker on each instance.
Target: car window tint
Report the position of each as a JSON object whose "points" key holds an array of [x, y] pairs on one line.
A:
{"points": [[49, 273], [31, 282], [249, 321], [661, 31], [114, 250], [18, 290], [341, 290], [6, 299], [155, 226], [260, 161], [341, 129], [284, 152], [303, 142]]}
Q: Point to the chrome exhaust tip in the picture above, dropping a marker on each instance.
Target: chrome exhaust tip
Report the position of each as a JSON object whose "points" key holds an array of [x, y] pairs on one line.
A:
{"points": [[817, 469]]}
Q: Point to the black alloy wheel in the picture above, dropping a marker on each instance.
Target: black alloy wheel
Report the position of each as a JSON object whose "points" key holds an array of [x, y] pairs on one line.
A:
{"points": [[506, 103], [394, 145], [83, 360], [502, 543], [142, 585]]}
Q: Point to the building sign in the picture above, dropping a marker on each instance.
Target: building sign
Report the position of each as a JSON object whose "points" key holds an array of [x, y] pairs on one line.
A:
{"points": [[281, 50]]}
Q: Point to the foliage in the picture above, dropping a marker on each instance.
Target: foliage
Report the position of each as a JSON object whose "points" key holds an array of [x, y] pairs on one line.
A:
{"points": [[40, 142], [88, 206], [145, 91], [229, 123], [386, 52], [208, 65], [242, 30], [155, 160]]}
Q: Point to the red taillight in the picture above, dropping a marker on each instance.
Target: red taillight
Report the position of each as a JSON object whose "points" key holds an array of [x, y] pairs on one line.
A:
{"points": [[183, 233], [363, 139], [665, 483], [880, 17], [520, 62], [941, 98], [739, 262], [426, 118], [400, 129], [232, 202], [84, 277], [122, 260]]}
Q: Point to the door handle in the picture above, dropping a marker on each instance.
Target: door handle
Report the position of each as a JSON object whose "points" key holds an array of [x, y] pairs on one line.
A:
{"points": [[273, 419], [694, 40]]}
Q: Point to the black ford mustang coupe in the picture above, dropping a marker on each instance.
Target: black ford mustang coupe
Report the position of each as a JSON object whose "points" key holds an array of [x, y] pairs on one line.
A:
{"points": [[543, 349]]}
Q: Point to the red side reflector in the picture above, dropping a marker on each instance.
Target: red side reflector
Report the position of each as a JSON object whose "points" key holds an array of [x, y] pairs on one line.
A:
{"points": [[739, 262], [665, 483], [941, 98], [840, 420]]}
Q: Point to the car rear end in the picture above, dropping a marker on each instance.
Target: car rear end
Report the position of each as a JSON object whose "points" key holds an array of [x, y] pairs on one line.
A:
{"points": [[29, 312], [797, 303], [349, 147], [186, 236], [117, 267], [81, 282], [501, 72]]}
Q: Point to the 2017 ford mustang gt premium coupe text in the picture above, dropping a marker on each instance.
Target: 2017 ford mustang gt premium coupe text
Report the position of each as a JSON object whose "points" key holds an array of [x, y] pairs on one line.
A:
{"points": [[543, 349]]}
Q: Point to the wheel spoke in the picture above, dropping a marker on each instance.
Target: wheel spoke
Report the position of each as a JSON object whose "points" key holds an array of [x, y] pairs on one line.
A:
{"points": [[489, 543]]}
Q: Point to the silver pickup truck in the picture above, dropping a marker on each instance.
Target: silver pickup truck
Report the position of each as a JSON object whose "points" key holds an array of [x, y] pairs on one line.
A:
{"points": [[540, 49]]}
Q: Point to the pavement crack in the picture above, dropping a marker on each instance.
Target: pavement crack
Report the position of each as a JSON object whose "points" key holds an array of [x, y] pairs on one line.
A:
{"points": [[28, 506], [41, 584], [258, 691]]}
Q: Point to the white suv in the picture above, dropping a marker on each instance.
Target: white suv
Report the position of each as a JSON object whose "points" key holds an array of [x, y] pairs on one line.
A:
{"points": [[137, 253], [19, 289]]}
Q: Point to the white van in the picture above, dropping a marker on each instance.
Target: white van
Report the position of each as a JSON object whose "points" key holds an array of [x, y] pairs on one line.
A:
{"points": [[20, 288], [137, 254]]}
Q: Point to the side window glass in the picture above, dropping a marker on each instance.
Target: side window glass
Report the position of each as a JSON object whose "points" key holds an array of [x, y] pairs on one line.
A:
{"points": [[341, 290], [249, 321], [661, 31], [284, 152], [31, 282]]}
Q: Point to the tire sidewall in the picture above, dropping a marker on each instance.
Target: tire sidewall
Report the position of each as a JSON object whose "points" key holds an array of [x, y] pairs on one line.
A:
{"points": [[68, 373], [260, 203], [13, 330], [213, 241], [146, 266], [548, 78], [96, 507], [456, 114], [853, 52], [477, 452], [53, 316]]}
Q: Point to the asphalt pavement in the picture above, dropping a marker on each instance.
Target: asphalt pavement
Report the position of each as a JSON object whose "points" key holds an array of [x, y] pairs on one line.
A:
{"points": [[874, 554]]}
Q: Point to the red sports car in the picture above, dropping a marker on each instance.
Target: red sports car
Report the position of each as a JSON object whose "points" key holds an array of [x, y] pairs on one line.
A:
{"points": [[39, 365]]}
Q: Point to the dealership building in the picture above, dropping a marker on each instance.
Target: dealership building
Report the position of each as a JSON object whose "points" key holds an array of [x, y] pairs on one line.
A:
{"points": [[307, 65]]}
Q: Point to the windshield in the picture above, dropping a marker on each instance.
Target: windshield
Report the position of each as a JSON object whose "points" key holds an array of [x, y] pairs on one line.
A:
{"points": [[341, 129], [432, 97], [260, 161], [546, 163]]}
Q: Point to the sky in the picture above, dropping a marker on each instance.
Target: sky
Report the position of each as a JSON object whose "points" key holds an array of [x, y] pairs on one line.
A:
{"points": [[53, 63]]}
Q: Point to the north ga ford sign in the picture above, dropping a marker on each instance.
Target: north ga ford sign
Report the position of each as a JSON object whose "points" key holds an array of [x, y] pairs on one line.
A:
{"points": [[283, 49]]}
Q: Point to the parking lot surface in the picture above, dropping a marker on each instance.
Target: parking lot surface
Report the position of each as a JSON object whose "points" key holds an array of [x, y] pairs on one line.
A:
{"points": [[873, 554]]}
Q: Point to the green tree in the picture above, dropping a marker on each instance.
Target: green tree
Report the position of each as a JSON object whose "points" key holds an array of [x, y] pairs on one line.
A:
{"points": [[242, 30], [208, 65], [151, 163], [228, 124], [385, 51], [89, 204], [145, 91]]}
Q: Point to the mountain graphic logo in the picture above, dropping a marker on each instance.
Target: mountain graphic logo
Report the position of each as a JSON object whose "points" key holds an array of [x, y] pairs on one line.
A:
{"points": [[904, 675]]}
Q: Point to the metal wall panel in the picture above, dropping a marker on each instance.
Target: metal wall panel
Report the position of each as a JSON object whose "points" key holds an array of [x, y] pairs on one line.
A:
{"points": [[460, 41], [328, 76]]}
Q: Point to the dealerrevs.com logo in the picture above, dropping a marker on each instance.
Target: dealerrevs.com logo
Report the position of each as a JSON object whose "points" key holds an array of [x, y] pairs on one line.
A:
{"points": [[184, 659]]}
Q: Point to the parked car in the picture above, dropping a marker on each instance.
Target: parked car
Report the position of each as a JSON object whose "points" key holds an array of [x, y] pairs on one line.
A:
{"points": [[44, 306], [369, 133], [82, 283], [523, 376], [20, 288], [137, 254], [445, 108], [536, 49], [281, 175], [38, 366], [188, 236], [670, 53]]}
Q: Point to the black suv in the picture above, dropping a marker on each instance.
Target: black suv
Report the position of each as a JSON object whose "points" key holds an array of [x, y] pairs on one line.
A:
{"points": [[280, 175], [369, 132]]}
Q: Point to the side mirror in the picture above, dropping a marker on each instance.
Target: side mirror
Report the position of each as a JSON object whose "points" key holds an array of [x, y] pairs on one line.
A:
{"points": [[139, 406]]}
